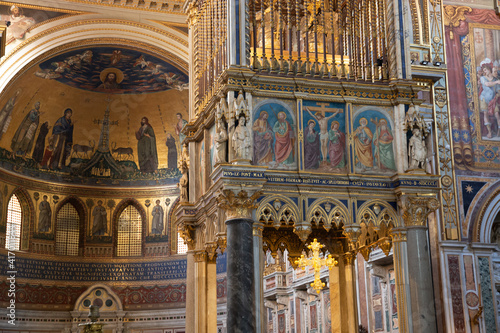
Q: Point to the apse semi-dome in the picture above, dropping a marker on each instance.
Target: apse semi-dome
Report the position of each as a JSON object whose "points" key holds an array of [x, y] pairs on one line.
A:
{"points": [[103, 115]]}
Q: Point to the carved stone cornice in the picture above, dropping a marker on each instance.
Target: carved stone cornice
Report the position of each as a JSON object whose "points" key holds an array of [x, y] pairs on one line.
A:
{"points": [[237, 206], [415, 209]]}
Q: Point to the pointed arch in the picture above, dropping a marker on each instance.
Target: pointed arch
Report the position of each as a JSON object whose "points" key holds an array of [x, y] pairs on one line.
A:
{"points": [[14, 224], [328, 211], [24, 227], [82, 213], [278, 210], [129, 228]]}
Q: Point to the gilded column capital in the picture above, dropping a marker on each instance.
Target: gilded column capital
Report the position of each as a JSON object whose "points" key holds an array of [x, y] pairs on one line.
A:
{"points": [[237, 206], [200, 256], [398, 235], [192, 13], [349, 258], [352, 232], [221, 239], [415, 209], [258, 228], [211, 249], [187, 234]]}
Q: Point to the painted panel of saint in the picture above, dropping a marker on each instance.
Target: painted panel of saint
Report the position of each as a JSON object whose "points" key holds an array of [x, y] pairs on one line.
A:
{"points": [[274, 136], [373, 143], [486, 57], [324, 136]]}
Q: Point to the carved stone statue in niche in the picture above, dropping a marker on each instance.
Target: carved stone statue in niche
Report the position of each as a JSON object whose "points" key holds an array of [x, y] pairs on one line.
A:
{"points": [[417, 151], [220, 142], [184, 181], [241, 141]]}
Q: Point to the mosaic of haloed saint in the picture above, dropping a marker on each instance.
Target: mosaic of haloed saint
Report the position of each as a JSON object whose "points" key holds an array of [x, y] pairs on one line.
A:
{"points": [[324, 136], [274, 138], [22, 20], [96, 115], [373, 143]]}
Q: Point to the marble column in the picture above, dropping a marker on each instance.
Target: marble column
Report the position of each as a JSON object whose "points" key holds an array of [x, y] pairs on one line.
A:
{"points": [[238, 209], [190, 293], [200, 265], [211, 295], [421, 286], [258, 254], [335, 300], [415, 211], [350, 301], [240, 276], [399, 253]]}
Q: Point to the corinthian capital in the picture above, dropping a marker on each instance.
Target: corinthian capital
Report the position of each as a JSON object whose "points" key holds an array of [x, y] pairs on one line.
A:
{"points": [[187, 234], [416, 209], [237, 206]]}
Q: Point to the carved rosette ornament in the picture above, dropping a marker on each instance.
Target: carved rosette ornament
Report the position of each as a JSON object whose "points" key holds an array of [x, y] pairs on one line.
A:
{"points": [[237, 206], [416, 209]]}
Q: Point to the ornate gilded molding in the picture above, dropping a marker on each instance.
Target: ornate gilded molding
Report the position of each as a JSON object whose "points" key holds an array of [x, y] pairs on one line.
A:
{"points": [[237, 206], [416, 209], [107, 21], [160, 6]]}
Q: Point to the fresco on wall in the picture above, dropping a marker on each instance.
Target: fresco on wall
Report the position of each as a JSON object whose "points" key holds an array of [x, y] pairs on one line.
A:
{"points": [[324, 136], [373, 143], [473, 53], [23, 19], [96, 124], [274, 136]]}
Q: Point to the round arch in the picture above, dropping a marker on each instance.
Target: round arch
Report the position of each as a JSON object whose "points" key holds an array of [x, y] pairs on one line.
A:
{"points": [[85, 30], [483, 215]]}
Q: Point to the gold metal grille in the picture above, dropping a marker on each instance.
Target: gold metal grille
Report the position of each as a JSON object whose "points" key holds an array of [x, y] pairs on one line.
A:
{"points": [[14, 219], [67, 231], [129, 233]]}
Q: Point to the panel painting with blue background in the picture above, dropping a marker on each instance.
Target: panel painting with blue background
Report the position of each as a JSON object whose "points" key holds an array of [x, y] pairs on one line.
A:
{"points": [[373, 143], [274, 138], [324, 136]]}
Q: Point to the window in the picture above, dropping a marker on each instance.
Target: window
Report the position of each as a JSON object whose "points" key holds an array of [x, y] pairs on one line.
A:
{"points": [[14, 218], [129, 241], [182, 247], [67, 231]]}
